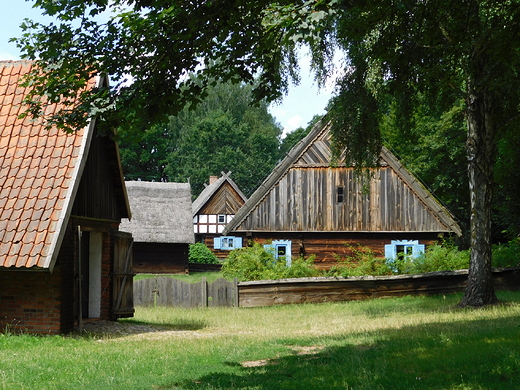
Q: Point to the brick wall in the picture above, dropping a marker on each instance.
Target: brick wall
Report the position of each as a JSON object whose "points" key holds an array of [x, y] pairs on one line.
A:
{"points": [[28, 302]]}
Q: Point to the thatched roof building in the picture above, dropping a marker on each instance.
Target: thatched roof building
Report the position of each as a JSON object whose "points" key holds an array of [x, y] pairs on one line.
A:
{"points": [[161, 225]]}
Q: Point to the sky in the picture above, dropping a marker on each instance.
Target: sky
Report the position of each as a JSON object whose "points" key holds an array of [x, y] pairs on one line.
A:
{"points": [[297, 109]]}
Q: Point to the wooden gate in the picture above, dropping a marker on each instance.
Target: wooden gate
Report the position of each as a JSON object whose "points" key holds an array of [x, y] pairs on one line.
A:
{"points": [[166, 291], [123, 296]]}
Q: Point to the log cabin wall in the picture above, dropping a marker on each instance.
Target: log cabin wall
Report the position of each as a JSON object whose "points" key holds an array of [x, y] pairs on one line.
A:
{"points": [[158, 258], [328, 246]]}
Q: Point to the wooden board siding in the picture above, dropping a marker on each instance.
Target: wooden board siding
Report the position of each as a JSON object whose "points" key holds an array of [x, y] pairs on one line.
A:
{"points": [[321, 290], [224, 201], [160, 258], [305, 200], [328, 246], [97, 196]]}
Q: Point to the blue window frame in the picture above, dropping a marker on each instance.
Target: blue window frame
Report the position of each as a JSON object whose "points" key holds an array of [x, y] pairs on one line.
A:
{"points": [[227, 243], [280, 249], [404, 248]]}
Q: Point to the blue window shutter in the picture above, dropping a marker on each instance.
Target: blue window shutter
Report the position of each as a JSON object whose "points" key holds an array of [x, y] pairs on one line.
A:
{"points": [[288, 259], [238, 242], [269, 248], [217, 244], [390, 251], [418, 249]]}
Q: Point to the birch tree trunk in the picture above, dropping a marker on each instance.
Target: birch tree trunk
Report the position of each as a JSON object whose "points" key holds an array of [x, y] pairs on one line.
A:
{"points": [[481, 155]]}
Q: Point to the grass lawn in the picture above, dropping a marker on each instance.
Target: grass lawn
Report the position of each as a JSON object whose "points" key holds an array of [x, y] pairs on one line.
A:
{"points": [[405, 343]]}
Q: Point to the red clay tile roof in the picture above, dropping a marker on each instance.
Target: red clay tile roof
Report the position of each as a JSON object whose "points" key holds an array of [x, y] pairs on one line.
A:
{"points": [[38, 170]]}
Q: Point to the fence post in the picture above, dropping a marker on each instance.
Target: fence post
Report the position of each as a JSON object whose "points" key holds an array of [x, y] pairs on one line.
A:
{"points": [[235, 292], [204, 298]]}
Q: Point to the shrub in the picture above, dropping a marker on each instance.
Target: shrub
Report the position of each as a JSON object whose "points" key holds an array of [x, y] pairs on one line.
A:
{"points": [[445, 257], [362, 261], [255, 263], [506, 255], [200, 253]]}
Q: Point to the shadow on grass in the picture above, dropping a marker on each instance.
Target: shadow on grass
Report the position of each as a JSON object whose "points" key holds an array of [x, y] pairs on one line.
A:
{"points": [[180, 324], [473, 355], [116, 329]]}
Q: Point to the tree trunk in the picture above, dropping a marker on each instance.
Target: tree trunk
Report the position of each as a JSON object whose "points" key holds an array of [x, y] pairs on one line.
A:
{"points": [[481, 155]]}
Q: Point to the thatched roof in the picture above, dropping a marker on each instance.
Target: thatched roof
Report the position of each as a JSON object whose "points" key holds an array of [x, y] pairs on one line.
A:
{"points": [[161, 212]]}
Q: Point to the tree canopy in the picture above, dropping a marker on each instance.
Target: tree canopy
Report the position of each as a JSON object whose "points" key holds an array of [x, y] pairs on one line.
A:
{"points": [[399, 54], [223, 133]]}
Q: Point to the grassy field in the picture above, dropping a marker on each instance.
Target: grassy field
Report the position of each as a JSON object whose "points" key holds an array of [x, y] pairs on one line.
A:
{"points": [[406, 343]]}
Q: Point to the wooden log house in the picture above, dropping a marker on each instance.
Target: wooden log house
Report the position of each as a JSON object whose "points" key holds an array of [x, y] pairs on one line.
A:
{"points": [[310, 205]]}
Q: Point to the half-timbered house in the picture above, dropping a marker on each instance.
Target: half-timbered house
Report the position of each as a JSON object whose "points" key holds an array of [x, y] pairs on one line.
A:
{"points": [[63, 259], [161, 226], [310, 205], [213, 209]]}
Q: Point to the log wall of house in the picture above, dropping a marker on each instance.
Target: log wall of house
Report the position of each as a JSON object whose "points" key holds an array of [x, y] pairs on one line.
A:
{"points": [[160, 258], [328, 246], [305, 199]]}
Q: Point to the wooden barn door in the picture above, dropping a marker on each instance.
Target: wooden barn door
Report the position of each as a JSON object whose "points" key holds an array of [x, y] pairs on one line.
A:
{"points": [[123, 296]]}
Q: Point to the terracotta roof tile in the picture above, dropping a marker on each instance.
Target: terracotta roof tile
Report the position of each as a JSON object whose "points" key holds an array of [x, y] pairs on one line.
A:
{"points": [[36, 173]]}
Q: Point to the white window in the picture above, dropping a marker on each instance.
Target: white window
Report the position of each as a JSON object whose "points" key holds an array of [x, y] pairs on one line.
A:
{"points": [[221, 218], [405, 248], [227, 243], [280, 249]]}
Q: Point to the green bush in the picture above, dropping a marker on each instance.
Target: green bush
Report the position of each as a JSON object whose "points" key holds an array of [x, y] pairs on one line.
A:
{"points": [[445, 257], [255, 263], [201, 254], [506, 255], [361, 262]]}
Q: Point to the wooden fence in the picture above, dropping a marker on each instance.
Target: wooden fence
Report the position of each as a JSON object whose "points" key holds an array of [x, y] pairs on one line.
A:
{"points": [[166, 291], [171, 292]]}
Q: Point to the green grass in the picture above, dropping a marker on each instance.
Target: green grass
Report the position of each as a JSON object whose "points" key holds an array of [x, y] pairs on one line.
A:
{"points": [[194, 277], [405, 343]]}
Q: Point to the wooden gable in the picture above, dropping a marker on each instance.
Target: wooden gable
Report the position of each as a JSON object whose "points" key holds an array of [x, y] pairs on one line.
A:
{"points": [[220, 197], [306, 193]]}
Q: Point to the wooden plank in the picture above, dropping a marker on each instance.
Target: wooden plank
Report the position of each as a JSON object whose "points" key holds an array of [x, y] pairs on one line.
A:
{"points": [[314, 290]]}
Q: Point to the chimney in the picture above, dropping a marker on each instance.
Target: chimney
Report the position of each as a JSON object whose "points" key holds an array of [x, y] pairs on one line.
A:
{"points": [[212, 179]]}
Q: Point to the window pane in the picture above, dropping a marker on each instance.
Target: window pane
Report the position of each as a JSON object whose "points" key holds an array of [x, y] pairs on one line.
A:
{"points": [[340, 191]]}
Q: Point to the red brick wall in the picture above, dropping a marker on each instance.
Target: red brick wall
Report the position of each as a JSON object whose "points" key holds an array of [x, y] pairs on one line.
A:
{"points": [[28, 302]]}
